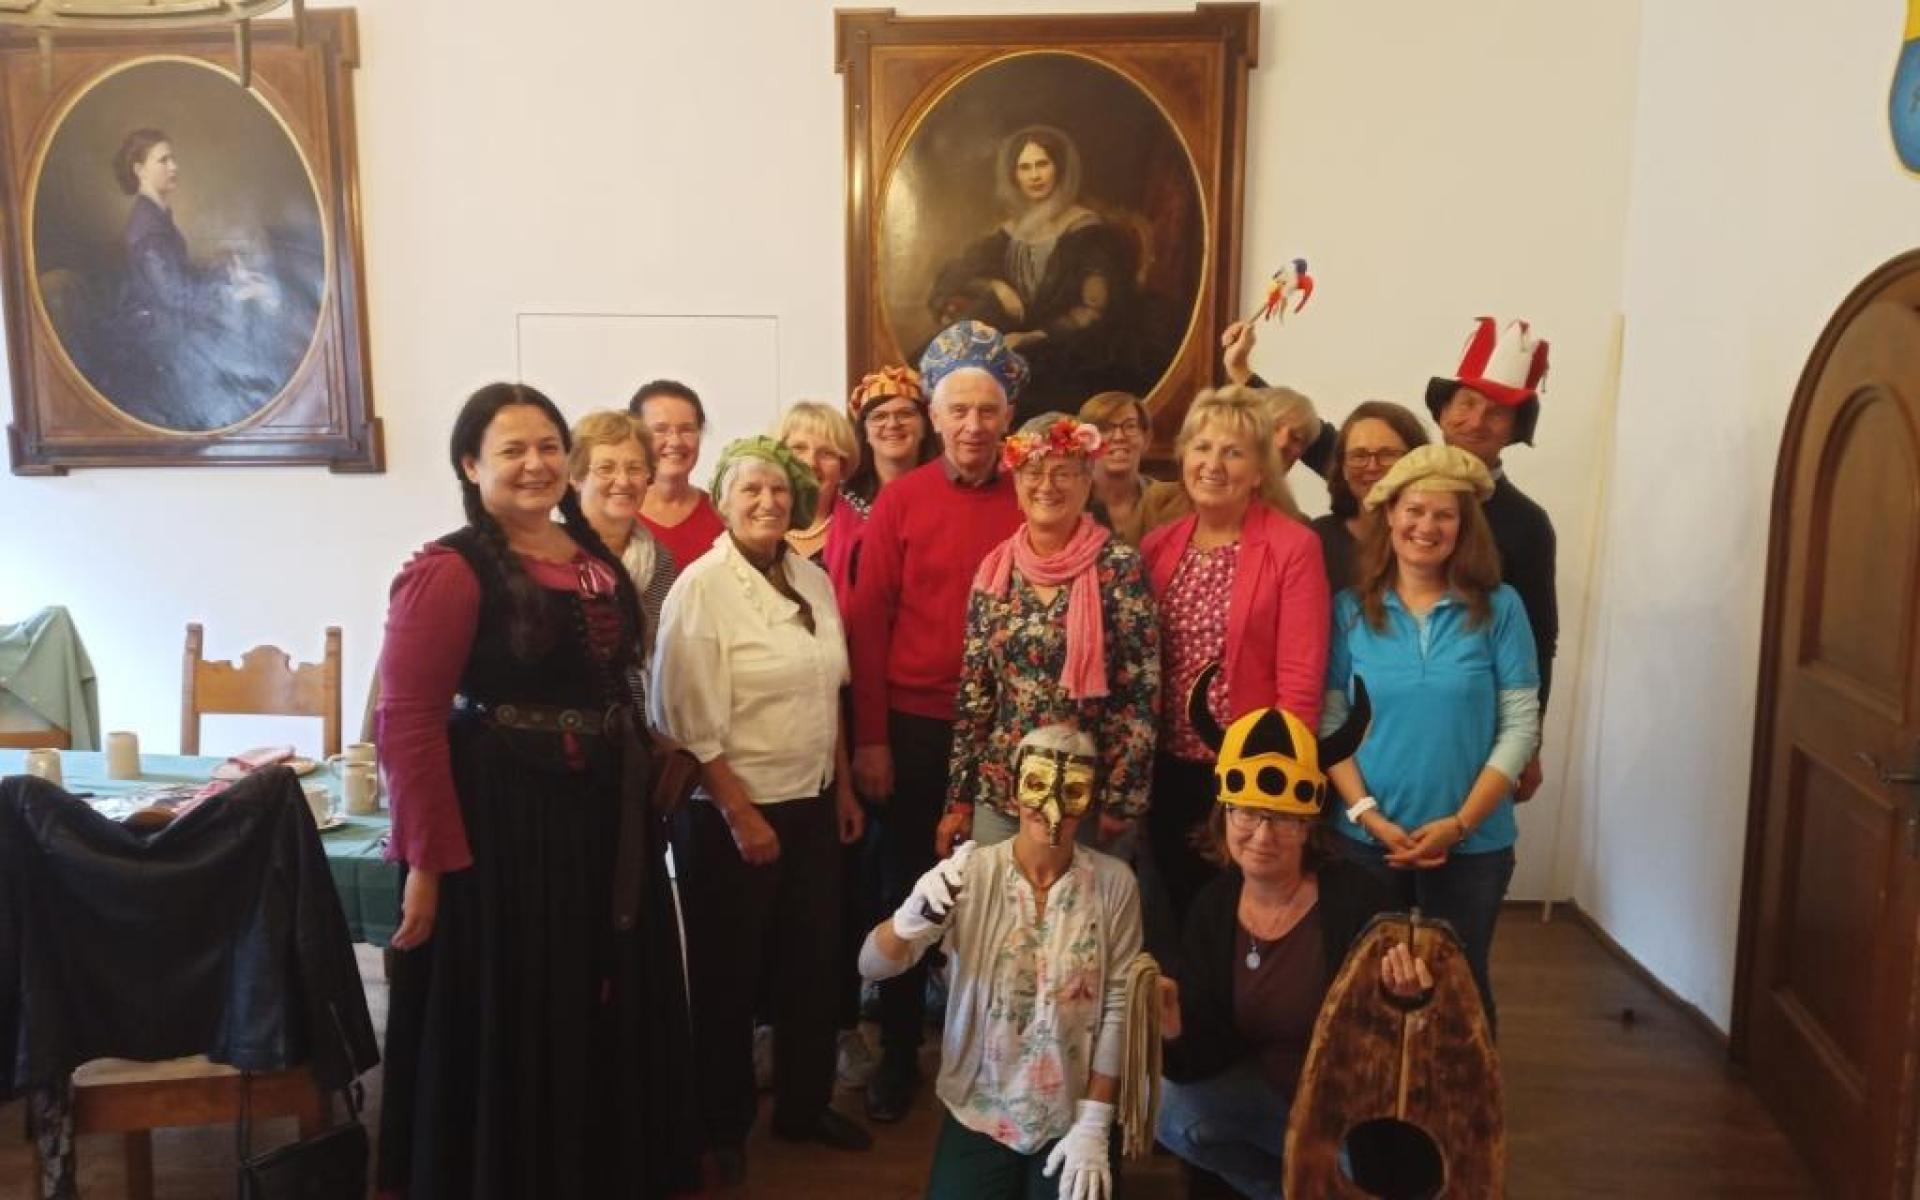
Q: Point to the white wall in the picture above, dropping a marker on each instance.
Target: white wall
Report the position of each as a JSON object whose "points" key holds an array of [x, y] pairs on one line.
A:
{"points": [[1764, 188], [1434, 161]]}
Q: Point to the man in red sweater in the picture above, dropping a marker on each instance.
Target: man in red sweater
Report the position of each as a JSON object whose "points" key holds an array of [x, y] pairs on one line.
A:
{"points": [[928, 533]]}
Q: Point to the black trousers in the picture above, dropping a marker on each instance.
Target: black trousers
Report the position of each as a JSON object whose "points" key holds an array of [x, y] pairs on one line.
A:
{"points": [[921, 747], [1182, 800], [755, 929]]}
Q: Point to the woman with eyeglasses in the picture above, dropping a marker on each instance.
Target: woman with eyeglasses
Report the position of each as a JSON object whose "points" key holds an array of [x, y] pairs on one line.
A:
{"points": [[1125, 427], [1375, 435], [1060, 630], [889, 415], [611, 465], [678, 514], [1259, 947]]}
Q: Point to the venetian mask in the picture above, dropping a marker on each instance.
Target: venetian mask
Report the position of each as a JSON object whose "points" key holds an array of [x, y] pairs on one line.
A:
{"points": [[1054, 784]]}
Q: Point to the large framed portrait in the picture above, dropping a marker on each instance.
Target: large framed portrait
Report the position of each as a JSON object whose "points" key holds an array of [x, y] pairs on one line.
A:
{"points": [[1073, 181], [182, 260]]}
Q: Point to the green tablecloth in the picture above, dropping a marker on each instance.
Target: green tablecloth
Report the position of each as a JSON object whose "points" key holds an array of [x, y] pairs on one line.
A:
{"points": [[369, 886]]}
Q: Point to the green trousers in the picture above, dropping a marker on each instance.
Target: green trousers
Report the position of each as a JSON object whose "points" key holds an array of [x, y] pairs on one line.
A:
{"points": [[972, 1166]]}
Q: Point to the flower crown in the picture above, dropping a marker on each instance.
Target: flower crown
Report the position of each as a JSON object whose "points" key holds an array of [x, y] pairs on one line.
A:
{"points": [[1064, 437]]}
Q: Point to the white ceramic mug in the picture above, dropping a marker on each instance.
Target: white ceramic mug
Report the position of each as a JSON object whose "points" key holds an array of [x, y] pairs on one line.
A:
{"points": [[46, 764], [356, 752], [361, 783], [320, 801], [123, 755]]}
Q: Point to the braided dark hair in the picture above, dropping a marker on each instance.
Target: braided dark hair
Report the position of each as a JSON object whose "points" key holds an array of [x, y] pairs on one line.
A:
{"points": [[529, 633]]}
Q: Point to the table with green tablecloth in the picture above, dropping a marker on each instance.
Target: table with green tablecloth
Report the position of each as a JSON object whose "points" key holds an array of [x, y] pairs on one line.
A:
{"points": [[368, 884]]}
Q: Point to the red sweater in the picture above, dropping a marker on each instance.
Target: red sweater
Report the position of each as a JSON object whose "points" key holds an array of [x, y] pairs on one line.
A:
{"points": [[924, 541], [692, 537]]}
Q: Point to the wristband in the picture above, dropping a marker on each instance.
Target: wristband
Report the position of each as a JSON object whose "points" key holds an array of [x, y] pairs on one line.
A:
{"points": [[1466, 830], [1360, 808]]}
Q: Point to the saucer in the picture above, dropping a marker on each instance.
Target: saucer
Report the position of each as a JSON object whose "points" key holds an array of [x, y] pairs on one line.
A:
{"points": [[333, 822]]}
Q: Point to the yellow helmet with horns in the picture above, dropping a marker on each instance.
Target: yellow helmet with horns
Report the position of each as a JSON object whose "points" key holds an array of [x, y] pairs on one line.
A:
{"points": [[1268, 758]]}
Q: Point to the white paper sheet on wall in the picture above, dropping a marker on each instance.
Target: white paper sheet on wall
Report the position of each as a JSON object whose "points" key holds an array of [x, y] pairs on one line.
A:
{"points": [[586, 361]]}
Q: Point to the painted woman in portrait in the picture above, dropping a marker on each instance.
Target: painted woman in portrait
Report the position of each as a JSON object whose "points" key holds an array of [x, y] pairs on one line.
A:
{"points": [[189, 347], [1054, 276]]}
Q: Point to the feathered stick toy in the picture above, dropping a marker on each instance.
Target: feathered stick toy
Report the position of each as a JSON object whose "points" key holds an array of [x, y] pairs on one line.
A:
{"points": [[1288, 282]]}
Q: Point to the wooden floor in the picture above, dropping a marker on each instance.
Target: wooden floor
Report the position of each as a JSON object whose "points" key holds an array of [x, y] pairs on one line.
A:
{"points": [[1596, 1106]]}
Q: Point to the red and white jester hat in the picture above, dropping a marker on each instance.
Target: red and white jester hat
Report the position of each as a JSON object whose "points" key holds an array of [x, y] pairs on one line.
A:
{"points": [[1506, 365]]}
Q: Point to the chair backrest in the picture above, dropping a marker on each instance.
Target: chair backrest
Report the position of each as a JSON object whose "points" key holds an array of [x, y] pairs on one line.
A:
{"points": [[264, 682], [52, 738]]}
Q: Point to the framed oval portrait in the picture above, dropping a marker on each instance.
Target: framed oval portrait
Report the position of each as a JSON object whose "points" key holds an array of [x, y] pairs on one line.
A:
{"points": [[181, 252], [1047, 194], [177, 248], [1074, 182]]}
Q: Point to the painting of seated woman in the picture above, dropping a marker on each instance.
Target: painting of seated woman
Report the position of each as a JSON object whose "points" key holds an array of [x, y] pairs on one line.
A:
{"points": [[178, 247], [1047, 195]]}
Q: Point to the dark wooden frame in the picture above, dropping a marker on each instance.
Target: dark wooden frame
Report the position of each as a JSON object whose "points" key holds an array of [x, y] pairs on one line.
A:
{"points": [[59, 420], [1163, 52], [1779, 539]]}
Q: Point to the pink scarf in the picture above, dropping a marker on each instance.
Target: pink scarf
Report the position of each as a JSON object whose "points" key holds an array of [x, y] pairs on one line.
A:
{"points": [[1085, 675]]}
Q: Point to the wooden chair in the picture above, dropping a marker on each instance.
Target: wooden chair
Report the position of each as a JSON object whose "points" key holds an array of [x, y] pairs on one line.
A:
{"points": [[51, 738], [264, 683], [112, 1095]]}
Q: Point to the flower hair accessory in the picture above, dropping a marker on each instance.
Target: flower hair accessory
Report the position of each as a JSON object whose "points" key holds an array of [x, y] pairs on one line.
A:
{"points": [[1051, 435], [888, 383]]}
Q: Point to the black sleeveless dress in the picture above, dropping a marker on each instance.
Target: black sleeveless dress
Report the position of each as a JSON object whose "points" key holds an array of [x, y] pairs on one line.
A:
{"points": [[533, 1049]]}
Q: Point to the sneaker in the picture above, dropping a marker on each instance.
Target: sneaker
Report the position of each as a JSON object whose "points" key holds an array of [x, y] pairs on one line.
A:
{"points": [[763, 1057], [855, 1060]]}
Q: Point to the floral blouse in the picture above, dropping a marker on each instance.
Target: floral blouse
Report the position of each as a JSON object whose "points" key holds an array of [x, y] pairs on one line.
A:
{"points": [[1010, 686], [1038, 1004], [1195, 609]]}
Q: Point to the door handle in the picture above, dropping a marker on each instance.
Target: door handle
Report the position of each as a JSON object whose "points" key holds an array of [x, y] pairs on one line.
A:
{"points": [[1887, 778], [1906, 779]]}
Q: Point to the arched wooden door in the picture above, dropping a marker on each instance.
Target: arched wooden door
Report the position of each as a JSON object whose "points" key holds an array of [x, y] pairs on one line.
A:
{"points": [[1828, 1007]]}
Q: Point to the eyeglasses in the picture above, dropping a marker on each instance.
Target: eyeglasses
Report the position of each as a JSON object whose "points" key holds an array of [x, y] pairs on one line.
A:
{"points": [[1376, 458], [608, 472], [1131, 427], [689, 433], [1246, 820], [1057, 477], [899, 416]]}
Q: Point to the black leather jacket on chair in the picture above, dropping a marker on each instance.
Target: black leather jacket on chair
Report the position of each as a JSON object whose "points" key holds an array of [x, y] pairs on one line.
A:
{"points": [[220, 934]]}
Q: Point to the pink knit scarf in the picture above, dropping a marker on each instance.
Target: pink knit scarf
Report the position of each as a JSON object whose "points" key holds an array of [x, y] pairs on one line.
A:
{"points": [[1085, 674]]}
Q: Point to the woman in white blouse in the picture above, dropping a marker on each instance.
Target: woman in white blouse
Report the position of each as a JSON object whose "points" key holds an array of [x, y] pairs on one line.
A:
{"points": [[1040, 935], [747, 674]]}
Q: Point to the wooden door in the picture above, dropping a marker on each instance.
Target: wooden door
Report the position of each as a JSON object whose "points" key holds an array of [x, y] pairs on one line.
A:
{"points": [[1828, 1010]]}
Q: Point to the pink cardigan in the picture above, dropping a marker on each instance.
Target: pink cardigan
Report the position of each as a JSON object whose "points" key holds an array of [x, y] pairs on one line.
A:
{"points": [[1278, 618]]}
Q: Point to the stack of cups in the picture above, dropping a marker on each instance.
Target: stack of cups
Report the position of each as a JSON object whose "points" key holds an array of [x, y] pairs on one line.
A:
{"points": [[359, 778]]}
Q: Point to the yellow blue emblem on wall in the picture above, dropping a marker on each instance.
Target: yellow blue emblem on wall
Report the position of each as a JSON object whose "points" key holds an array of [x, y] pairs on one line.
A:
{"points": [[1903, 101]]}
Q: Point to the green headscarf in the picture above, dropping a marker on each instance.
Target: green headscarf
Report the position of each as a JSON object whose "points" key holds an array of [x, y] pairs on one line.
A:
{"points": [[800, 477]]}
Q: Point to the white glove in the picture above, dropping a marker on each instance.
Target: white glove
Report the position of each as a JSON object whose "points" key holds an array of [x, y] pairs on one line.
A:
{"points": [[922, 916], [1088, 1174]]}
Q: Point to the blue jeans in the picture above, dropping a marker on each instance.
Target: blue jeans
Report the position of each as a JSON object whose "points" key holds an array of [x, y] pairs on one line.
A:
{"points": [[1233, 1124], [1465, 891]]}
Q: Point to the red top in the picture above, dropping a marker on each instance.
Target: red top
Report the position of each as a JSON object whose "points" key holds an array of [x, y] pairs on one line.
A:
{"points": [[1278, 616], [693, 536], [432, 616], [926, 537], [1194, 620]]}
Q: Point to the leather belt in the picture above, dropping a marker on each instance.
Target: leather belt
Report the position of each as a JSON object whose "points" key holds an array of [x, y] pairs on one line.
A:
{"points": [[539, 718]]}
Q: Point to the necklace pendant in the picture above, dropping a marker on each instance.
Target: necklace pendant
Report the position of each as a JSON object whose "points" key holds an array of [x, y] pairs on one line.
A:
{"points": [[1253, 959]]}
